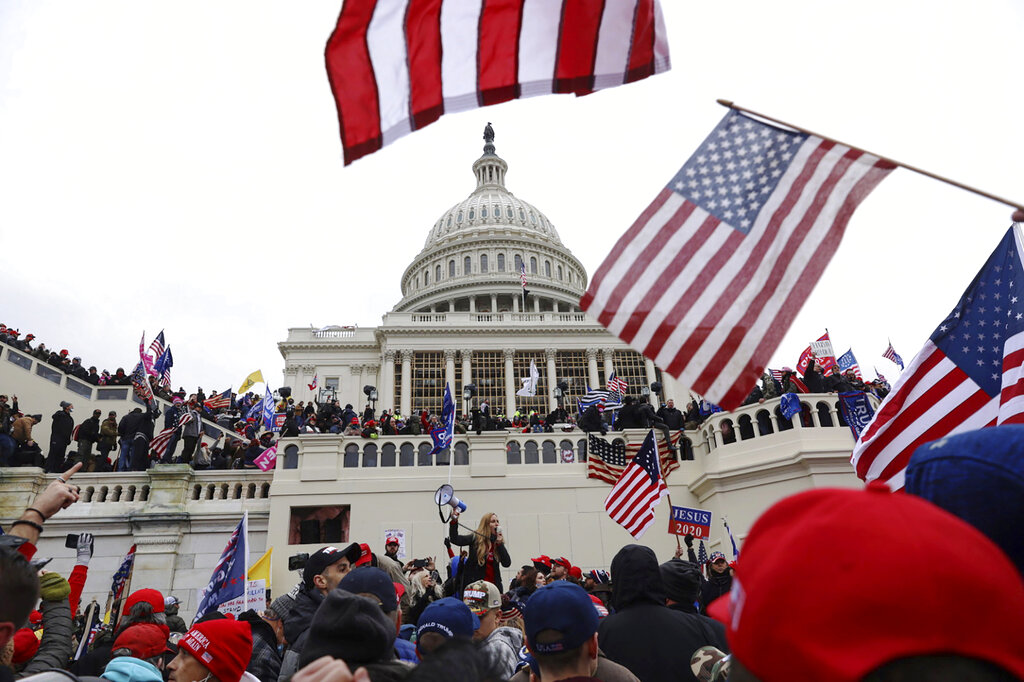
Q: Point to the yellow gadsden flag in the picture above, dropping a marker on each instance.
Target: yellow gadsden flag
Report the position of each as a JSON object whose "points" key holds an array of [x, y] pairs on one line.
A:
{"points": [[251, 380], [261, 569]]}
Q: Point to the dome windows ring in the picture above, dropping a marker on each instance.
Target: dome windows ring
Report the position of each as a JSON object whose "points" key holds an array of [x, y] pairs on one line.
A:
{"points": [[483, 212], [459, 219], [472, 213]]}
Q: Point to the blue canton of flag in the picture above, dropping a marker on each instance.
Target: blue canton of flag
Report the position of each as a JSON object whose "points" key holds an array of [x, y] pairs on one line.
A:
{"points": [[848, 361], [443, 435], [609, 399], [268, 411], [228, 579], [162, 367], [123, 571], [256, 411]]}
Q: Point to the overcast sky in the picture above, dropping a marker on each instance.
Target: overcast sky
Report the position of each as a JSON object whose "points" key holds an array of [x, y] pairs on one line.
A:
{"points": [[178, 167]]}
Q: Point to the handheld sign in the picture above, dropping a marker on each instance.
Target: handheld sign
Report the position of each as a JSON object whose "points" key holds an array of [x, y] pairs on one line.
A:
{"points": [[686, 521]]}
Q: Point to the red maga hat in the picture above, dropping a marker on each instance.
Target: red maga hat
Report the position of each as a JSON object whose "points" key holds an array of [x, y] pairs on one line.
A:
{"points": [[885, 584]]}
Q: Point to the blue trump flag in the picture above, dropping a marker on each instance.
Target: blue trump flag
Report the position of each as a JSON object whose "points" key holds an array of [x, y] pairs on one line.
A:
{"points": [[443, 435], [268, 410], [789, 405], [256, 411], [228, 579], [856, 410]]}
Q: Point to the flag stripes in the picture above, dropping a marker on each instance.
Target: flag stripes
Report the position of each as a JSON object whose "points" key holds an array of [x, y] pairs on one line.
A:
{"points": [[158, 446], [606, 460], [709, 301], [632, 499], [396, 66]]}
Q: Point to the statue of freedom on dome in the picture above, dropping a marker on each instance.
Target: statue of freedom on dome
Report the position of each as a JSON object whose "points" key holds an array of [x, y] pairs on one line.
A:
{"points": [[488, 139]]}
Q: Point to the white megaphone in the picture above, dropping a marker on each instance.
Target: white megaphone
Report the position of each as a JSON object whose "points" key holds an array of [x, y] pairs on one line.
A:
{"points": [[446, 495]]}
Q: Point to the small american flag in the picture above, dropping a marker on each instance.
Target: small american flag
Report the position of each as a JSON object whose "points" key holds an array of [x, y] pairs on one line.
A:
{"points": [[848, 361], [617, 385], [890, 354], [709, 278], [633, 498], [969, 375], [121, 576], [522, 275], [158, 446], [776, 374], [607, 460], [218, 401], [702, 556], [163, 365], [156, 349]]}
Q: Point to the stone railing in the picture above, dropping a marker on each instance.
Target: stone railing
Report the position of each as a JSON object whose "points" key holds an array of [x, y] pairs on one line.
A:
{"points": [[468, 319]]}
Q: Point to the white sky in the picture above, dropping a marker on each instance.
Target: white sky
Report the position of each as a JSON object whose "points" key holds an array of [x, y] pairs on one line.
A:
{"points": [[179, 167]]}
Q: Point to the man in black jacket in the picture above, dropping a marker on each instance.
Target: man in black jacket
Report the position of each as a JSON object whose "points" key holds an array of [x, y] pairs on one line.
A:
{"points": [[591, 420], [125, 431], [88, 434], [672, 417], [652, 640], [60, 437], [630, 416]]}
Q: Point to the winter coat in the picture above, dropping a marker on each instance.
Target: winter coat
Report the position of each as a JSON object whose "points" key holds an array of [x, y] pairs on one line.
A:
{"points": [[503, 646], [63, 427], [194, 427], [55, 646], [265, 662], [471, 570], [129, 425], [813, 380], [89, 430], [296, 627], [643, 634], [130, 669], [672, 417], [591, 419], [607, 671], [108, 433], [21, 430], [629, 418]]}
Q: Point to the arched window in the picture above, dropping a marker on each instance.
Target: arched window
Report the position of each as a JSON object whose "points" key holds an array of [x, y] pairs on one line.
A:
{"points": [[559, 272], [449, 221], [483, 262], [426, 276], [483, 211], [522, 215], [508, 212], [437, 273], [459, 218], [547, 268], [467, 265], [519, 262], [501, 262], [472, 213], [451, 268], [533, 265]]}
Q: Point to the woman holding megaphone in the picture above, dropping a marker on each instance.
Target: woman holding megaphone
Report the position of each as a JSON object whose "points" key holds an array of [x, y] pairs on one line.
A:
{"points": [[486, 550]]}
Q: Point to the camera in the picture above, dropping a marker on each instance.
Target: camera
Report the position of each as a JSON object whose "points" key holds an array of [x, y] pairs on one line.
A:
{"points": [[419, 563], [297, 562]]}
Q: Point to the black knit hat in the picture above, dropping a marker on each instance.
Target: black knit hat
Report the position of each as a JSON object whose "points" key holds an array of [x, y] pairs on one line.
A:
{"points": [[681, 580], [351, 628]]}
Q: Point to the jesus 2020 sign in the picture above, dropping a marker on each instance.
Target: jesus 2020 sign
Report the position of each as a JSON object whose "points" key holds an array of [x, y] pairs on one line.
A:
{"points": [[686, 521]]}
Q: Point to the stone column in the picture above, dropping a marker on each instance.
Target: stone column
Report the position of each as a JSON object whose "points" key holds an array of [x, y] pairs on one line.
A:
{"points": [[515, 303], [592, 368], [449, 370], [510, 382], [308, 371], [467, 378], [406, 406], [363, 380], [494, 303], [609, 363], [550, 354], [358, 398], [536, 304], [652, 376], [472, 304], [387, 387], [291, 377]]}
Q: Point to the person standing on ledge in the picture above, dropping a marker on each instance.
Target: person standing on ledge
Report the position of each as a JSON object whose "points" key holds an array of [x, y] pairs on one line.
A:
{"points": [[486, 551]]}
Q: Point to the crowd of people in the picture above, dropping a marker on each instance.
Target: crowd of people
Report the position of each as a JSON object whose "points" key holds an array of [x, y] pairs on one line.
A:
{"points": [[816, 595]]}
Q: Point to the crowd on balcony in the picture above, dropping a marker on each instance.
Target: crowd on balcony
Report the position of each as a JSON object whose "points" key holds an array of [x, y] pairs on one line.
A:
{"points": [[359, 615]]}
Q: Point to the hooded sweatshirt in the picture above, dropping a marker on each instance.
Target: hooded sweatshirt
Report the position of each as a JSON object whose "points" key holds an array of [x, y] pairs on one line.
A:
{"points": [[128, 669], [643, 634]]}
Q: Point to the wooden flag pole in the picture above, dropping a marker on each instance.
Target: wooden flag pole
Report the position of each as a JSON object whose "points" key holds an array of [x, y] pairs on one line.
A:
{"points": [[1017, 216]]}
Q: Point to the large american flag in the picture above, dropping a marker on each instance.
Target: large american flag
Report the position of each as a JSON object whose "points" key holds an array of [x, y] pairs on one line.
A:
{"points": [[708, 279], [219, 400], [606, 460], [970, 373], [396, 66], [890, 354], [158, 446], [633, 498]]}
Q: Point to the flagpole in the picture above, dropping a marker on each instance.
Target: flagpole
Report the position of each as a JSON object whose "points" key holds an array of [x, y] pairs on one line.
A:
{"points": [[1014, 204]]}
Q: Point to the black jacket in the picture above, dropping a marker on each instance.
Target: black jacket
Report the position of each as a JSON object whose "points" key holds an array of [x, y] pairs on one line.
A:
{"points": [[652, 640], [591, 420], [471, 571], [265, 662], [630, 417], [813, 380], [63, 427], [89, 430], [672, 417]]}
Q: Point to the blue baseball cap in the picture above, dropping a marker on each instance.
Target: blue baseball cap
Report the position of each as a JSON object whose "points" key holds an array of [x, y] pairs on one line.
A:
{"points": [[371, 580], [563, 607], [449, 617]]}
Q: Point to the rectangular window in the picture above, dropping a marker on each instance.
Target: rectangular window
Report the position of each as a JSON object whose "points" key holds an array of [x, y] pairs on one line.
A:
{"points": [[20, 360], [489, 377], [629, 365], [78, 387], [427, 382], [539, 402], [319, 525], [112, 394], [48, 373], [571, 365]]}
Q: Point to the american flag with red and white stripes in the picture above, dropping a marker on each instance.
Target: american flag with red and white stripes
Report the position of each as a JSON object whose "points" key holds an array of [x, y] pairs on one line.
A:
{"points": [[396, 66], [633, 498], [158, 446], [969, 375], [708, 279], [617, 384], [156, 349], [219, 400], [890, 354], [607, 460]]}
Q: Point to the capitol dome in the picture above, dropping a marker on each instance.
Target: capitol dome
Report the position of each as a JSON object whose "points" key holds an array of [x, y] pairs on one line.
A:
{"points": [[473, 253]]}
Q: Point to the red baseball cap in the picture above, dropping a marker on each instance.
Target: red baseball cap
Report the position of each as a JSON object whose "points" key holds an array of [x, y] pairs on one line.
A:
{"points": [[365, 555], [854, 610], [222, 646], [391, 539], [562, 561], [145, 640], [153, 597], [576, 572]]}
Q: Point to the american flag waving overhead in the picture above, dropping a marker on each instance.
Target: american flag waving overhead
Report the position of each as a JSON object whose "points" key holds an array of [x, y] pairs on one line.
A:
{"points": [[890, 354], [709, 278], [632, 500], [970, 373], [219, 400], [616, 384]]}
